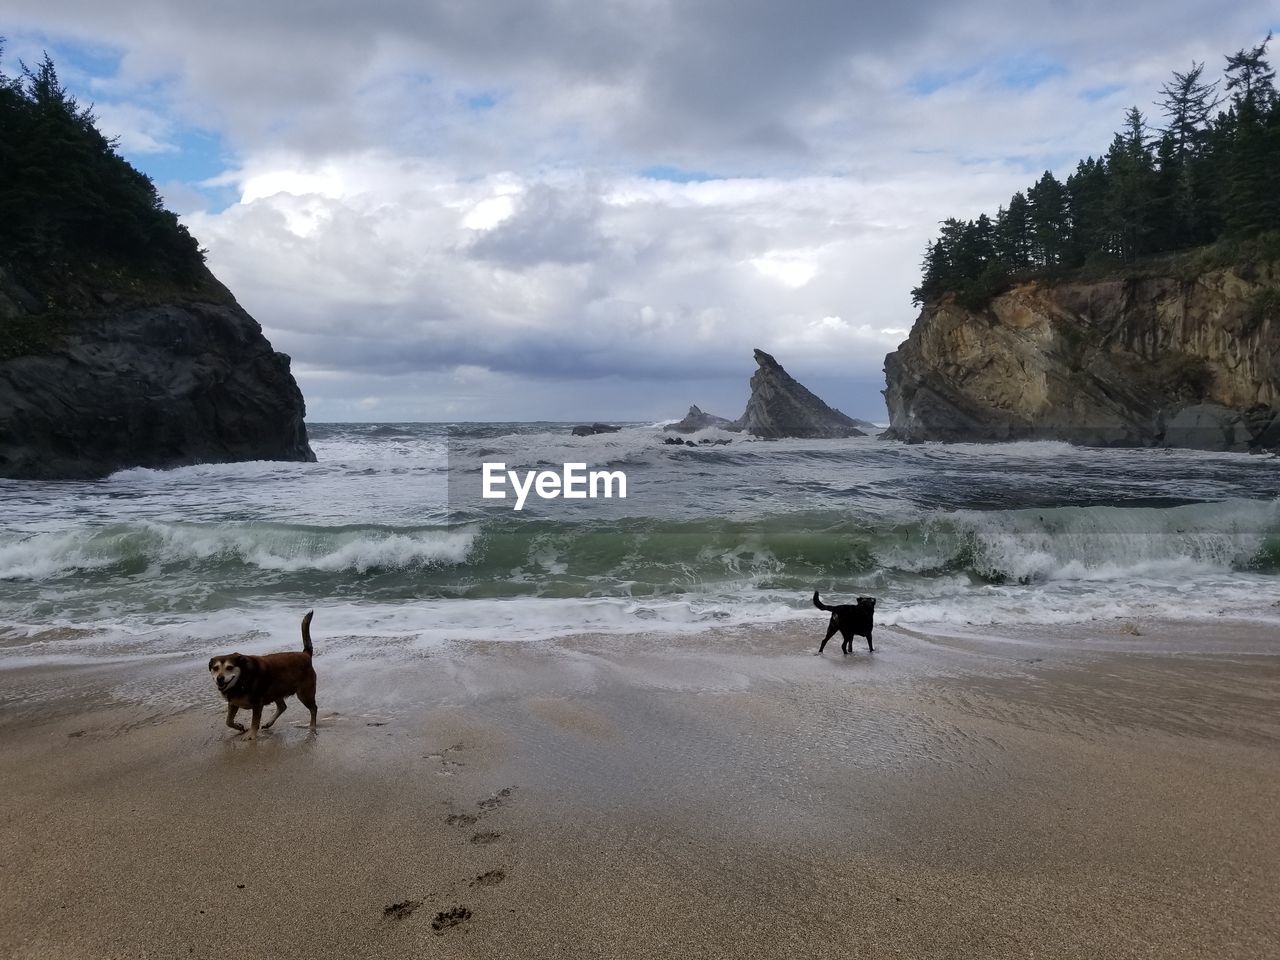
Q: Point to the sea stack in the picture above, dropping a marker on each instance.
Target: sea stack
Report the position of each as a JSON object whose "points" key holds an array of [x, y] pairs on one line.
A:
{"points": [[781, 407], [696, 420]]}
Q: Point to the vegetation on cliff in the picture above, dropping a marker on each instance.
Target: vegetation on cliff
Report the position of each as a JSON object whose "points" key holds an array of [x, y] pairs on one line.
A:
{"points": [[1210, 175], [68, 199], [76, 219]]}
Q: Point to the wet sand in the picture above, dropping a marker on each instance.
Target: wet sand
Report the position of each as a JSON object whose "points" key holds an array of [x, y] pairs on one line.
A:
{"points": [[1082, 792]]}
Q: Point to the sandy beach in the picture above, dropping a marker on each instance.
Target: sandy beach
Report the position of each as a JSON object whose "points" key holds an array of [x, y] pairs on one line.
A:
{"points": [[1077, 792]]}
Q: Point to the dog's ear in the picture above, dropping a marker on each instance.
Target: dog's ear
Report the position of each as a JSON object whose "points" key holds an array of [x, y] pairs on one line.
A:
{"points": [[867, 602], [239, 660], [212, 661]]}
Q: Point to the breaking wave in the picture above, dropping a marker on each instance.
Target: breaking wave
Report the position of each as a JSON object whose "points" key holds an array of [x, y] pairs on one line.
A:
{"points": [[629, 555]]}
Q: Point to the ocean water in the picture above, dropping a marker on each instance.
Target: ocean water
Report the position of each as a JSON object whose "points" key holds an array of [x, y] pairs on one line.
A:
{"points": [[387, 538]]}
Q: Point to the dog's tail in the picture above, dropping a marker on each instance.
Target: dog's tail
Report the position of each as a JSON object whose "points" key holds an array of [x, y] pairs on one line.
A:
{"points": [[306, 634], [818, 603]]}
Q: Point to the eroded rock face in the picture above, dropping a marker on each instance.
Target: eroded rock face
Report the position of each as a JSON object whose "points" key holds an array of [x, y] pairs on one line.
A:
{"points": [[1149, 361], [696, 420], [122, 385], [781, 407]]}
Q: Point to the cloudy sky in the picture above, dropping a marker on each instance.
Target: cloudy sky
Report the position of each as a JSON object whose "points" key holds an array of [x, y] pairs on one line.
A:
{"points": [[594, 209]]}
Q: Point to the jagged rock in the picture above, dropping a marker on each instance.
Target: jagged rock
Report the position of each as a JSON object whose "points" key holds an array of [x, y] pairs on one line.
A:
{"points": [[1139, 361], [781, 407], [696, 420], [590, 429], [117, 381], [1267, 435], [1207, 426]]}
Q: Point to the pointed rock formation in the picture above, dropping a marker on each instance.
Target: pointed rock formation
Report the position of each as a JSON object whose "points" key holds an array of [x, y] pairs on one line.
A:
{"points": [[781, 407], [696, 420]]}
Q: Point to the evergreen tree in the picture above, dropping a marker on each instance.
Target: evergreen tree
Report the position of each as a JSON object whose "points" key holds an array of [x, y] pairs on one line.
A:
{"points": [[1249, 202], [1188, 102], [1248, 198], [1204, 178], [1167, 207], [1050, 222], [1013, 234], [935, 271], [1087, 202], [1131, 194], [67, 198], [1251, 76]]}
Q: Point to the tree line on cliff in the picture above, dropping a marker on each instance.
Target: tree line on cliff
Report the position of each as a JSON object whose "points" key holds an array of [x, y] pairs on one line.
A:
{"points": [[69, 202], [1210, 172]]}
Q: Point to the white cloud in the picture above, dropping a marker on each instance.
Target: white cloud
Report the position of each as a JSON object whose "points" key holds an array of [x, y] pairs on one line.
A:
{"points": [[789, 271], [489, 212], [138, 129]]}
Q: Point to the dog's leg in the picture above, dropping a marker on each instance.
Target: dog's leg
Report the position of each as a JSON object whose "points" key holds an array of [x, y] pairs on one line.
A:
{"points": [[869, 644], [846, 638], [831, 632], [257, 719], [307, 697], [280, 707], [232, 710]]}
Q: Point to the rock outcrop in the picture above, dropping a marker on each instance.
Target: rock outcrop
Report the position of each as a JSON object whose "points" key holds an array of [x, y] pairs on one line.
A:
{"points": [[591, 429], [115, 379], [1157, 360], [696, 420], [781, 407]]}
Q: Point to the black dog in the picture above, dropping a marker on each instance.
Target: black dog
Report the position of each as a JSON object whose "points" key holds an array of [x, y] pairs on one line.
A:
{"points": [[851, 619]]}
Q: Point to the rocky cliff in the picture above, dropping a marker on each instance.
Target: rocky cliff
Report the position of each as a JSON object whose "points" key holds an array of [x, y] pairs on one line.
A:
{"points": [[781, 407], [1189, 361], [112, 378]]}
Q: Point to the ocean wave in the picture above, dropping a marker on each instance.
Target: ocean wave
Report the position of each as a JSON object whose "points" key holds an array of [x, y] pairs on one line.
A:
{"points": [[1091, 543], [128, 549], [1017, 546]]}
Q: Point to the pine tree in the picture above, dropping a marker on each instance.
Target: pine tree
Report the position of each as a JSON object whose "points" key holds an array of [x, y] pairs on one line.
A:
{"points": [[1131, 181], [1249, 204], [1013, 234], [1086, 202], [1249, 73], [1167, 207], [67, 197], [1188, 103], [935, 272], [1202, 179], [1050, 222]]}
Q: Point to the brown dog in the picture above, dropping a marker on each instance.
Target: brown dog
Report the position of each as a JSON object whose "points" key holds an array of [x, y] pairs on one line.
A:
{"points": [[253, 682]]}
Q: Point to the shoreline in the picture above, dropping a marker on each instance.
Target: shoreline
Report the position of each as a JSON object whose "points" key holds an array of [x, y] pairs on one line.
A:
{"points": [[1067, 792]]}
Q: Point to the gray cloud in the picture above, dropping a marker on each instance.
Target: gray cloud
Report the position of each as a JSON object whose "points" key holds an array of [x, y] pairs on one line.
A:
{"points": [[549, 225]]}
